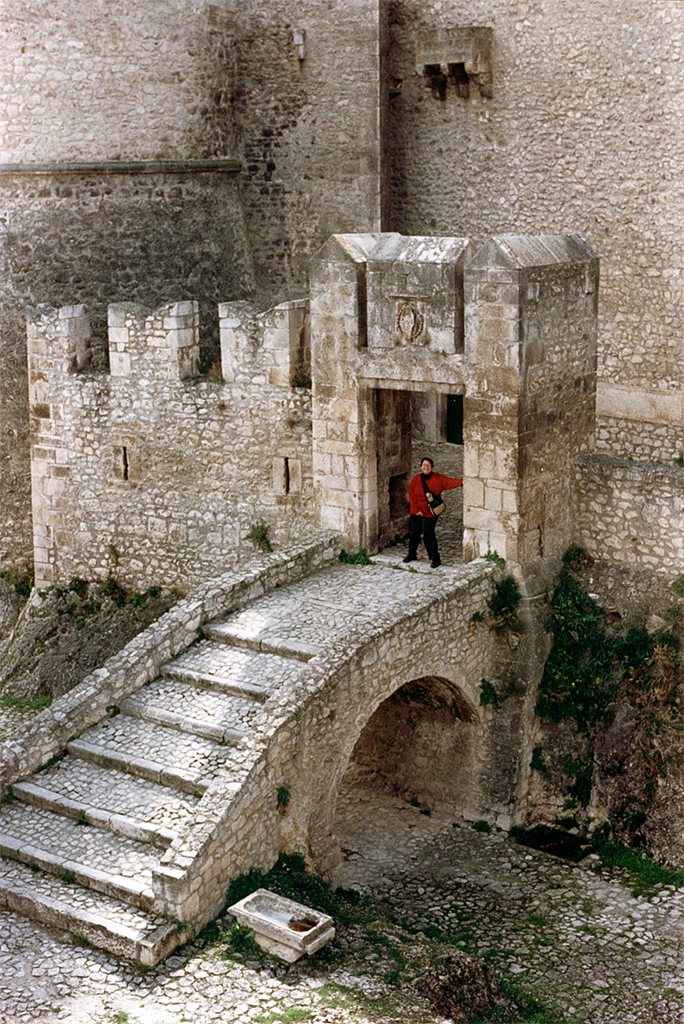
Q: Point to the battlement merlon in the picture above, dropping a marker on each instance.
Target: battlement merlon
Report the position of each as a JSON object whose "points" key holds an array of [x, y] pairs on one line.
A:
{"points": [[60, 336], [272, 345], [162, 342]]}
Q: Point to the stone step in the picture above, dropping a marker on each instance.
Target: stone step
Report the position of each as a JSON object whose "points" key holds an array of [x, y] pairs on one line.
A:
{"points": [[222, 717], [103, 921], [218, 665], [205, 681], [106, 793], [119, 824], [166, 756], [282, 645], [96, 859]]}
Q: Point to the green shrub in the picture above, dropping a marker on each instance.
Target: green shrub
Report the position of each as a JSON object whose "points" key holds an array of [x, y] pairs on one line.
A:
{"points": [[503, 606], [22, 705], [594, 665], [258, 536], [494, 556], [21, 581], [538, 764], [283, 798], [489, 695], [360, 558]]}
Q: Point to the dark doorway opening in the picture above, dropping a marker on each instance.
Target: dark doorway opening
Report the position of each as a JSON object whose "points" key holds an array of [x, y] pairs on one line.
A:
{"points": [[454, 419]]}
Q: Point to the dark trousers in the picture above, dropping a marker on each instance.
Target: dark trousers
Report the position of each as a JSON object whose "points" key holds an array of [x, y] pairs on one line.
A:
{"points": [[425, 527]]}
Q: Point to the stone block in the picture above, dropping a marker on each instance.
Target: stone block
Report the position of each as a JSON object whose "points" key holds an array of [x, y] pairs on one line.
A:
{"points": [[493, 498], [120, 364], [118, 337], [72, 312]]}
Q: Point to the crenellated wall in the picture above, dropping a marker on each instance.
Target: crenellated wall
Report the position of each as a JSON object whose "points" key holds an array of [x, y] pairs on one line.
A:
{"points": [[158, 474], [175, 150], [188, 150], [150, 471]]}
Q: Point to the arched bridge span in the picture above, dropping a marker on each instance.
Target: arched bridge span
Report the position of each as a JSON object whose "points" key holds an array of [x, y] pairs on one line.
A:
{"points": [[393, 679]]}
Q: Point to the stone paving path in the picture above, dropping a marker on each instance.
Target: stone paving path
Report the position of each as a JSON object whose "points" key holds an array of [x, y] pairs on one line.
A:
{"points": [[579, 940]]}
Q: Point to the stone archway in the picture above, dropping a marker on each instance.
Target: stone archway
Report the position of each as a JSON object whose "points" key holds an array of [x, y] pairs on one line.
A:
{"points": [[512, 329], [419, 744]]}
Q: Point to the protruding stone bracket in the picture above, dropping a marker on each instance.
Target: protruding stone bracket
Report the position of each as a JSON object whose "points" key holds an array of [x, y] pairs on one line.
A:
{"points": [[456, 57]]}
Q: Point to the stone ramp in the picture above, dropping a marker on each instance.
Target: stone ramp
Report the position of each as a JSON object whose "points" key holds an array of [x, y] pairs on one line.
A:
{"points": [[79, 840], [92, 827]]}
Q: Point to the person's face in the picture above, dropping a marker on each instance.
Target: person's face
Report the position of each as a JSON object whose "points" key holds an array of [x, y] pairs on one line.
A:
{"points": [[425, 467]]}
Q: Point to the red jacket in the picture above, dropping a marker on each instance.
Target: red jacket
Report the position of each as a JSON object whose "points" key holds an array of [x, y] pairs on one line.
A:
{"points": [[436, 484]]}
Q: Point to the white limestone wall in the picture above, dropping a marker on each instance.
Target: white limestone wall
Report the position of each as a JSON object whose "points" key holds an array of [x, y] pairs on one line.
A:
{"points": [[630, 511], [150, 472], [581, 134]]}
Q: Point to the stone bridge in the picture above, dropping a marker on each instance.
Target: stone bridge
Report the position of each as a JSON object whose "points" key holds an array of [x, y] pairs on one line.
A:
{"points": [[184, 762]]}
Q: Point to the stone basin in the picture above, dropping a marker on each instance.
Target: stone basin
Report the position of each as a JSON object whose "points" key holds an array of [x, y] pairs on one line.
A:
{"points": [[282, 927]]}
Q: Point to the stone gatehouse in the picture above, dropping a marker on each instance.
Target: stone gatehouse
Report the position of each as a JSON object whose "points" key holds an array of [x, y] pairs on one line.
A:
{"points": [[158, 473]]}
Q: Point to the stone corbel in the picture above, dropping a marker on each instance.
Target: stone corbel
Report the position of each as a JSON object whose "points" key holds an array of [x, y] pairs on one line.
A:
{"points": [[456, 57]]}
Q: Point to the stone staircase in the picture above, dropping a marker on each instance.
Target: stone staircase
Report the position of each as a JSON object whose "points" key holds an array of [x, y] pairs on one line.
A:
{"points": [[80, 838]]}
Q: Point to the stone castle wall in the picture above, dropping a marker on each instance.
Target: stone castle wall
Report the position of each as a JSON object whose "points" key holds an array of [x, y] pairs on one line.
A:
{"points": [[320, 118], [117, 173], [149, 472], [630, 512], [581, 134]]}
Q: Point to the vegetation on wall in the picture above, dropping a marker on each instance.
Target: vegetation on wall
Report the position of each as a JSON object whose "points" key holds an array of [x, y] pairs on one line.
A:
{"points": [[502, 608], [20, 580], [596, 666], [258, 536]]}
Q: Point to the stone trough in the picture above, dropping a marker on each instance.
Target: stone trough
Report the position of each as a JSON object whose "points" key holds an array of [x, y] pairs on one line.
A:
{"points": [[282, 927]]}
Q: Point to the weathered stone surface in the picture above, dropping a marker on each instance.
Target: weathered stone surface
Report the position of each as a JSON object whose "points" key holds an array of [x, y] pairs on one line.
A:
{"points": [[631, 512]]}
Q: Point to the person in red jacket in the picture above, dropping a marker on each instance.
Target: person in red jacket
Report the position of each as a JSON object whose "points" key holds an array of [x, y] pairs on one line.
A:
{"points": [[423, 520]]}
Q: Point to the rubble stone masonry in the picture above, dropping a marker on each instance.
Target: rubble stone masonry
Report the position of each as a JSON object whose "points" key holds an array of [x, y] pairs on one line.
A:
{"points": [[150, 471]]}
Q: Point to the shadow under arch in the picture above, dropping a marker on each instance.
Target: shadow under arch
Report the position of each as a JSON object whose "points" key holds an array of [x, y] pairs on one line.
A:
{"points": [[420, 743]]}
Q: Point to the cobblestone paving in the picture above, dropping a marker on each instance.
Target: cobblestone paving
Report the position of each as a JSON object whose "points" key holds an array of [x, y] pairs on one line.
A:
{"points": [[222, 710], [176, 750], [237, 667], [62, 837], [93, 786], [579, 940]]}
